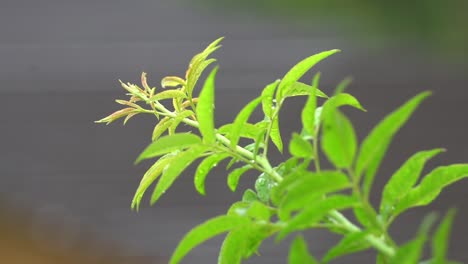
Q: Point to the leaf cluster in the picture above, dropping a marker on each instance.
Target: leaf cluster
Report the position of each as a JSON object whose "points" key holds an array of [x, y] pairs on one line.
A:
{"points": [[297, 194]]}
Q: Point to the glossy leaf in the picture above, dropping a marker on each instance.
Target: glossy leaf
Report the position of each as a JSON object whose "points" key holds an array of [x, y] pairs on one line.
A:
{"points": [[149, 177], [431, 185], [441, 237], [404, 179], [351, 243], [299, 254], [376, 143], [175, 168], [161, 127], [339, 141], [298, 70], [311, 187], [204, 168], [168, 144], [300, 147], [267, 98], [205, 109], [315, 212], [203, 232], [241, 119], [263, 186], [234, 176]]}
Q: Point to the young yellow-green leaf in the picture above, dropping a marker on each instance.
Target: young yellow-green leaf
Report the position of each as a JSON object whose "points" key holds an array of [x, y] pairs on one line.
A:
{"points": [[168, 144], [311, 187], [431, 185], [172, 81], [299, 89], [204, 168], [351, 243], [404, 179], [267, 98], [241, 119], [168, 94], [375, 145], [196, 73], [308, 112], [339, 141], [299, 254], [178, 119], [234, 176], [150, 176], [203, 232], [205, 109], [315, 212], [298, 70], [343, 85], [440, 241], [300, 147], [275, 135], [368, 218], [161, 127], [171, 173]]}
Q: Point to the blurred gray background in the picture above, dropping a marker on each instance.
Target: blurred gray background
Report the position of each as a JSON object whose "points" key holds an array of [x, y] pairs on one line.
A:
{"points": [[59, 66]]}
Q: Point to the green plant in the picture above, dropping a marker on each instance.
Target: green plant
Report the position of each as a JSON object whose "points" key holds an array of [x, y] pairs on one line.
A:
{"points": [[297, 194]]}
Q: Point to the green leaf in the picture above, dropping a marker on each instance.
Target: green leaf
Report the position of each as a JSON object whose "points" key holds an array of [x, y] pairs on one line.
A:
{"points": [[203, 232], [149, 177], [376, 143], [204, 168], [161, 127], [308, 113], [404, 179], [343, 85], [300, 147], [368, 218], [351, 243], [241, 119], [168, 94], [172, 81], [310, 187], [234, 176], [343, 99], [411, 252], [440, 240], [275, 135], [259, 211], [299, 89], [431, 185], [299, 254], [248, 130], [168, 144], [249, 196], [315, 212], [298, 70], [233, 247], [175, 168], [267, 98], [178, 119], [205, 109], [339, 141]]}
